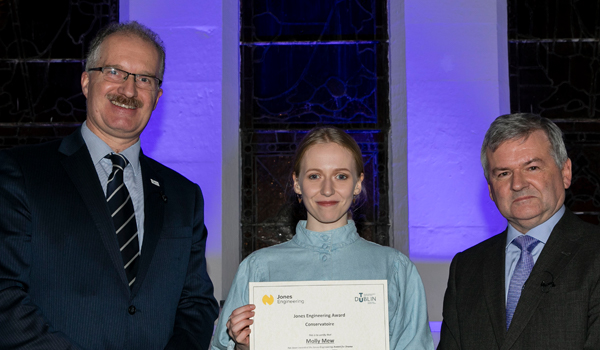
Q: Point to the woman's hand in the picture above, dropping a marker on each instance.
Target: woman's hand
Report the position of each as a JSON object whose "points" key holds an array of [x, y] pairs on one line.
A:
{"points": [[238, 326]]}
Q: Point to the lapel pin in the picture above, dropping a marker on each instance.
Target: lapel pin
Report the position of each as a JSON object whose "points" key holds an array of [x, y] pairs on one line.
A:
{"points": [[154, 182]]}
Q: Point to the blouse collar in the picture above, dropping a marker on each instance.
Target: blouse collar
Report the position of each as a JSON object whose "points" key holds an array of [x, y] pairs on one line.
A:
{"points": [[335, 238]]}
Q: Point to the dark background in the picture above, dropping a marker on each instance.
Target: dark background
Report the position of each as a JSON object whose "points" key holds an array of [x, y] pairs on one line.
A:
{"points": [[305, 63]]}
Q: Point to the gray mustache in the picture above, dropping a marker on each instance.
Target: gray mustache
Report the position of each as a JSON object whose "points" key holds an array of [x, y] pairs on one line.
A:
{"points": [[129, 102]]}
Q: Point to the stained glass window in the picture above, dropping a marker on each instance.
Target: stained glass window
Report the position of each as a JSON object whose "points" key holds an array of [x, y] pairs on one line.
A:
{"points": [[304, 64], [41, 61], [554, 67]]}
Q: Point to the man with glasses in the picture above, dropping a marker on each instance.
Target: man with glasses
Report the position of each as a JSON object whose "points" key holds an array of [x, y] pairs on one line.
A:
{"points": [[102, 247]]}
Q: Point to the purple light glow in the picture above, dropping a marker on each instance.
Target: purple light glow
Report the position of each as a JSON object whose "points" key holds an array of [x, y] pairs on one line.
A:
{"points": [[453, 94], [184, 132]]}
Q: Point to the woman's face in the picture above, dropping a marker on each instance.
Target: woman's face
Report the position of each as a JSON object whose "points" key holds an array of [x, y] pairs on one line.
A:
{"points": [[327, 183]]}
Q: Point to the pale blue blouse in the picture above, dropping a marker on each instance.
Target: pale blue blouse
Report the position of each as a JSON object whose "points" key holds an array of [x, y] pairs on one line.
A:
{"points": [[339, 254]]}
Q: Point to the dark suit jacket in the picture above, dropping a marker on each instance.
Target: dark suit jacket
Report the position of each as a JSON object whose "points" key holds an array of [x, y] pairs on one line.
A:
{"points": [[62, 282], [562, 315]]}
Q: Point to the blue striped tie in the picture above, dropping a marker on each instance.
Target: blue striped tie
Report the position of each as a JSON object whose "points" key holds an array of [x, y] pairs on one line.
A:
{"points": [[123, 215], [522, 271]]}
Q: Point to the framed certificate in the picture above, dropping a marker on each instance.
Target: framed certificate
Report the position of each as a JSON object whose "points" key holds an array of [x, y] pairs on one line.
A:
{"points": [[320, 315]]}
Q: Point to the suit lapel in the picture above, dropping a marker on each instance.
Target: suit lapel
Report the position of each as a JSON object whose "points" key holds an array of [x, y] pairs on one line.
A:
{"points": [[78, 165], [493, 277], [558, 251], [154, 207]]}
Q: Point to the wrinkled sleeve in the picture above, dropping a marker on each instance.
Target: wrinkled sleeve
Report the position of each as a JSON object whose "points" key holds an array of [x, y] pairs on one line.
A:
{"points": [[410, 329], [238, 296], [593, 332], [22, 323], [197, 309]]}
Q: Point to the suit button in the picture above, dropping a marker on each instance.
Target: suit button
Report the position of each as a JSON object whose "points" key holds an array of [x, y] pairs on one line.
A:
{"points": [[131, 310]]}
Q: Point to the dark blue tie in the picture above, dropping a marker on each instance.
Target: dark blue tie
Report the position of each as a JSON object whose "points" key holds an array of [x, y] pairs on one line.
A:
{"points": [[521, 274], [123, 215]]}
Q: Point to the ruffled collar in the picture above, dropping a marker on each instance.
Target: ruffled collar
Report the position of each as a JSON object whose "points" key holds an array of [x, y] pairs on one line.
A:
{"points": [[331, 239]]}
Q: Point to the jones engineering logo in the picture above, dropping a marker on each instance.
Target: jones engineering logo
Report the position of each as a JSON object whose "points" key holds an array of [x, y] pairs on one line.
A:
{"points": [[281, 299], [268, 299], [368, 298]]}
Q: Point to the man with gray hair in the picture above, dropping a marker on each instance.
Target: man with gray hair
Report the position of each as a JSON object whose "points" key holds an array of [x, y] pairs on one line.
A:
{"points": [[537, 284], [102, 247]]}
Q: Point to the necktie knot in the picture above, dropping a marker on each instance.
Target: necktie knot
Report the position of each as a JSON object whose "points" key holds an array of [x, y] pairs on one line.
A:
{"points": [[118, 160], [525, 243]]}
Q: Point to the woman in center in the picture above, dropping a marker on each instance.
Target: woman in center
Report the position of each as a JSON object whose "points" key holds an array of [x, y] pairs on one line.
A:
{"points": [[327, 176]]}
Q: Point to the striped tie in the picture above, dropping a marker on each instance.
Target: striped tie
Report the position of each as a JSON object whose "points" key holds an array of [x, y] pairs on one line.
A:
{"points": [[521, 274], [123, 215]]}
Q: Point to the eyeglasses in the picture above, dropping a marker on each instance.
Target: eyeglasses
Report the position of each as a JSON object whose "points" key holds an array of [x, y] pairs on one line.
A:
{"points": [[116, 75]]}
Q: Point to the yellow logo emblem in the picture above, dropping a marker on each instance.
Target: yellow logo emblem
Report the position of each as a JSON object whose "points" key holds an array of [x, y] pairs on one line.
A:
{"points": [[268, 299]]}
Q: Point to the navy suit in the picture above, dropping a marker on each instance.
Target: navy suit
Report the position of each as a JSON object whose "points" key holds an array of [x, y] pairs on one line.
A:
{"points": [[62, 282], [559, 306]]}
